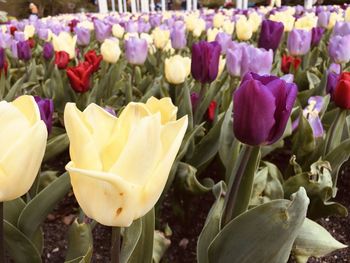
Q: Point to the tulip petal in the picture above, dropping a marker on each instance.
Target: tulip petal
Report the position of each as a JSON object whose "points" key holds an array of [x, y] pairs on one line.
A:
{"points": [[114, 199], [19, 167], [254, 108], [166, 108], [27, 105]]}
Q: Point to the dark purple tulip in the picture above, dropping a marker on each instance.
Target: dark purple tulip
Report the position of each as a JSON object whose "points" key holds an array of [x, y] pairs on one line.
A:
{"points": [[224, 40], [333, 73], [262, 106], [270, 34], [102, 30], [136, 50], [83, 36], [205, 61], [23, 51], [317, 34], [48, 51], [178, 35], [46, 111], [2, 58]]}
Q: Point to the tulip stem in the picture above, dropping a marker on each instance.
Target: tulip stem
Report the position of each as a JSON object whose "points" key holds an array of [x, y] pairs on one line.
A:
{"points": [[2, 249], [241, 189], [115, 245]]}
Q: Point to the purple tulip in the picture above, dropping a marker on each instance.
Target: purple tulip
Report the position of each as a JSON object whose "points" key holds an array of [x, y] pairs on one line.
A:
{"points": [[102, 30], [339, 49], [43, 33], [317, 34], [205, 61], [341, 29], [83, 36], [194, 99], [323, 19], [19, 36], [270, 34], [234, 58], [224, 40], [143, 27], [155, 20], [299, 42], [46, 111], [262, 106], [131, 27], [48, 51], [257, 60], [2, 58], [136, 50], [23, 51], [178, 35], [5, 40]]}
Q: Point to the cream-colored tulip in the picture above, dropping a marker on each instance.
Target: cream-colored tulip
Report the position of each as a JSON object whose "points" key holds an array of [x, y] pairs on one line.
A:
{"points": [[119, 166], [255, 20], [23, 141], [333, 19], [228, 27], [177, 69], [65, 42], [160, 37], [118, 31], [285, 18], [86, 24], [110, 50], [244, 29], [29, 31], [347, 15], [200, 27], [306, 22], [130, 35], [211, 33], [218, 20], [222, 64]]}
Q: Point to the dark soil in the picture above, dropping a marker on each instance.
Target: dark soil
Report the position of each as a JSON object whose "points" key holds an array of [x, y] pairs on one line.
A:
{"points": [[185, 227]]}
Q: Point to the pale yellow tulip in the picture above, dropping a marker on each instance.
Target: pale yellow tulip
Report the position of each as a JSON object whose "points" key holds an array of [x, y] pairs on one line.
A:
{"points": [[65, 42], [177, 69], [110, 50]]}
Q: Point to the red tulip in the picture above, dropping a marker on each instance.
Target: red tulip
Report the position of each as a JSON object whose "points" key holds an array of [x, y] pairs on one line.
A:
{"points": [[13, 29], [61, 59], [288, 61], [79, 76], [31, 42], [211, 110], [93, 59], [341, 95]]}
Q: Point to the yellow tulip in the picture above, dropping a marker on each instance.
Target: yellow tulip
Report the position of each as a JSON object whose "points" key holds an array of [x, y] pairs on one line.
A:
{"points": [[23, 141], [255, 21], [65, 42], [334, 18], [347, 14], [110, 50], [200, 27], [211, 34], [160, 37], [86, 24], [228, 27], [218, 20], [222, 64], [119, 166], [285, 18], [306, 22], [244, 29], [177, 69], [29, 31], [118, 31]]}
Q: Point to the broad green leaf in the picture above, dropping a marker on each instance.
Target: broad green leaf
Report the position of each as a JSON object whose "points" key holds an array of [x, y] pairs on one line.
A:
{"points": [[264, 234], [131, 237], [314, 241], [31, 217], [13, 209], [55, 146], [303, 139], [338, 156], [80, 242], [20, 248]]}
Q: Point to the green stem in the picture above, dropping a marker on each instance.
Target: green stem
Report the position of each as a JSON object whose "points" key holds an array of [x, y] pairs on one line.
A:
{"points": [[2, 249], [241, 185], [115, 245]]}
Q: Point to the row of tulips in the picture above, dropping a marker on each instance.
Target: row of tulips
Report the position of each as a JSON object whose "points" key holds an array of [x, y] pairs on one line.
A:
{"points": [[146, 100]]}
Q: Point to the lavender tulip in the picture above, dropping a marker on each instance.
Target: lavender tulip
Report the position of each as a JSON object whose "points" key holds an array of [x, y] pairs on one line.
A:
{"points": [[234, 58], [224, 40], [19, 36], [341, 29], [317, 34], [178, 35], [136, 50], [257, 60], [205, 61], [83, 36], [43, 33], [23, 51], [5, 40], [323, 19], [46, 111], [102, 30], [270, 34], [131, 27], [299, 42], [48, 51], [255, 126], [339, 49]]}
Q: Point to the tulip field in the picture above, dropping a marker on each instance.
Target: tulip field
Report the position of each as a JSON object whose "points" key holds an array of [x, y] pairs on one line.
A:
{"points": [[209, 136]]}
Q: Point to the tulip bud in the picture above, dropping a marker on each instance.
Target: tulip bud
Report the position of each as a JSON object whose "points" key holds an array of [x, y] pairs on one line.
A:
{"points": [[254, 126], [270, 35], [177, 69], [317, 33], [61, 59], [48, 51], [136, 50], [110, 50], [178, 35], [341, 95], [46, 111]]}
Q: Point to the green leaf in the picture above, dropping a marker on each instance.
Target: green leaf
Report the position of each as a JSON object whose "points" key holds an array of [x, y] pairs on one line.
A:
{"points": [[314, 241], [131, 237], [264, 234], [31, 217], [160, 245], [79, 242], [212, 224], [55, 146], [20, 248], [338, 156], [303, 140], [13, 209]]}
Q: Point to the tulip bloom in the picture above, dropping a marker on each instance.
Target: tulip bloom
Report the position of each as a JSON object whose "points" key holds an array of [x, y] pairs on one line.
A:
{"points": [[234, 58], [262, 106], [341, 95], [270, 34], [61, 59], [299, 42], [64, 42], [20, 126], [48, 51], [2, 58], [311, 113], [288, 62], [224, 40], [83, 36], [93, 59], [124, 161], [257, 60], [102, 30], [205, 61], [46, 111], [339, 49], [23, 51], [178, 35], [317, 33], [79, 76], [110, 50], [177, 69], [136, 50]]}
